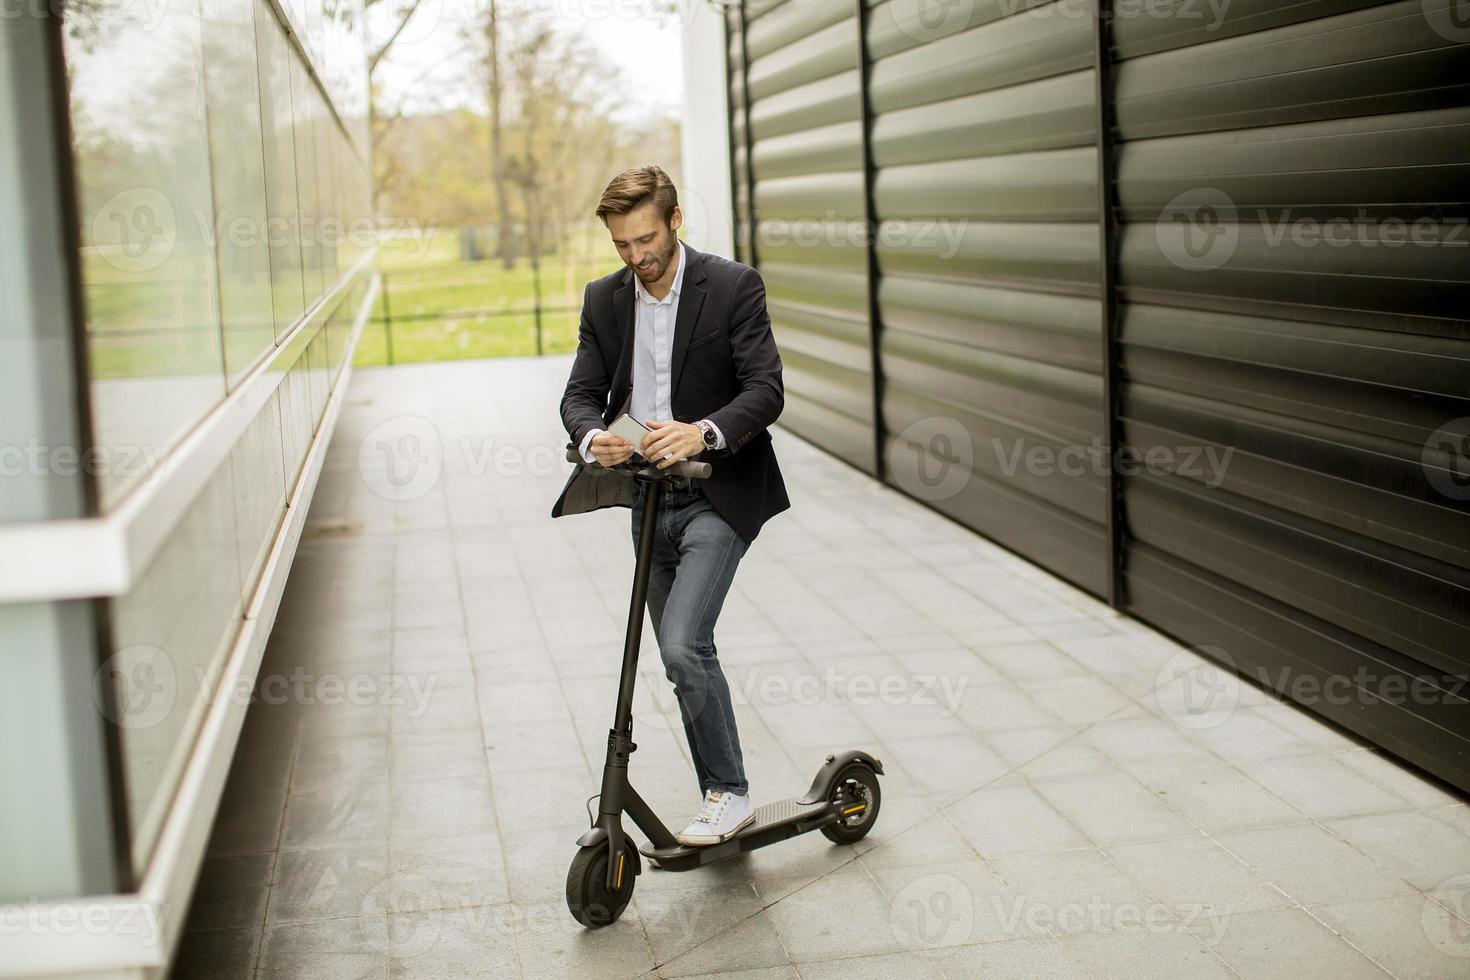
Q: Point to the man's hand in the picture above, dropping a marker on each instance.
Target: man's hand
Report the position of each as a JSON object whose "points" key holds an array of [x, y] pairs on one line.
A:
{"points": [[609, 449], [676, 440]]}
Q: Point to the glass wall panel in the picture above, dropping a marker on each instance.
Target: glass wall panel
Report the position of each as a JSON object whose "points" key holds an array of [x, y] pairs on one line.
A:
{"points": [[260, 491], [147, 259], [170, 635], [275, 57], [304, 107], [296, 421], [329, 223], [232, 84]]}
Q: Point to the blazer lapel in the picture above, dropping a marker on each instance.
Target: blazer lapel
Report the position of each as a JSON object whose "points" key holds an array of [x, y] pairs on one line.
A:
{"points": [[691, 299], [623, 299]]}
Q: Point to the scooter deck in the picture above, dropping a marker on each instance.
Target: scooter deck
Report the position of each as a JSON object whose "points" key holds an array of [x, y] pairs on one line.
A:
{"points": [[773, 822]]}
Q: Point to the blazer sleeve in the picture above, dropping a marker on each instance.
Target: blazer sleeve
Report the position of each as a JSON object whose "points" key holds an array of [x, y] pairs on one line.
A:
{"points": [[757, 366], [585, 397]]}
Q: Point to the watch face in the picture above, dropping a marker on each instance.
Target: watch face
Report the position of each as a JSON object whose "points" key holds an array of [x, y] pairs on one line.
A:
{"points": [[709, 436]]}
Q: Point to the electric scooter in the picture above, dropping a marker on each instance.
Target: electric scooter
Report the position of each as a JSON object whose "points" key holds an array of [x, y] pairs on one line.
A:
{"points": [[842, 802]]}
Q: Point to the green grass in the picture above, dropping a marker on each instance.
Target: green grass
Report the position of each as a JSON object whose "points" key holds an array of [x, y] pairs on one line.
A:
{"points": [[162, 321], [478, 308]]}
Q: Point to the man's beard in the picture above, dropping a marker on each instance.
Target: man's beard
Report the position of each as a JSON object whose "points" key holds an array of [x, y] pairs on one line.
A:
{"points": [[662, 265]]}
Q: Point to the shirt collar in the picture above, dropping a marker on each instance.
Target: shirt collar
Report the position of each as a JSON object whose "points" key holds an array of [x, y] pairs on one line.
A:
{"points": [[678, 283]]}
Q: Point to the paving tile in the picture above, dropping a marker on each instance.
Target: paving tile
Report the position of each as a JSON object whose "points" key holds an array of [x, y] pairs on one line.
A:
{"points": [[232, 892], [447, 872], [946, 763], [1078, 700], [1012, 819], [1322, 787], [1289, 942], [551, 944], [1143, 954], [1112, 808], [1215, 798], [843, 910], [343, 881], [678, 918], [349, 810], [913, 966], [1041, 958], [1196, 875], [1409, 936], [929, 840], [936, 908], [745, 948], [432, 808], [1313, 866], [1417, 847], [222, 954], [326, 949], [1067, 892], [431, 837], [1400, 779]]}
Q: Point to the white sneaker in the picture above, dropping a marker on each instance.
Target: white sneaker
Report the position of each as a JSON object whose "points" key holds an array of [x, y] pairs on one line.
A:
{"points": [[722, 815]]}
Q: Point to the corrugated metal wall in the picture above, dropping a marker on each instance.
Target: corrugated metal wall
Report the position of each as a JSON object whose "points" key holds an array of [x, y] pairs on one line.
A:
{"points": [[806, 152], [985, 188], [1286, 276], [1270, 307]]}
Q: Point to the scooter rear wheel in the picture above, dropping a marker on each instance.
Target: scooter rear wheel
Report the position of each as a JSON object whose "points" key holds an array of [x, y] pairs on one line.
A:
{"points": [[856, 788], [588, 897]]}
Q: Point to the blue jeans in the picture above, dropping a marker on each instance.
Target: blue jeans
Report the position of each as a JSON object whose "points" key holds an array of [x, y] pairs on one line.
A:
{"points": [[695, 553]]}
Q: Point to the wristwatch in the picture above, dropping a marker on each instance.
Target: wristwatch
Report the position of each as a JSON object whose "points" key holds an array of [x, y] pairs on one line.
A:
{"points": [[711, 440]]}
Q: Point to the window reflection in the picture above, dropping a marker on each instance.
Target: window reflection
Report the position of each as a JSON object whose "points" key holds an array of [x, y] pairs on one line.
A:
{"points": [[233, 91], [147, 256], [207, 157]]}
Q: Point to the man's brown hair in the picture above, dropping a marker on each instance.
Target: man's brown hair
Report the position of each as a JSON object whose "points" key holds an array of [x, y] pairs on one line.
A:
{"points": [[631, 188]]}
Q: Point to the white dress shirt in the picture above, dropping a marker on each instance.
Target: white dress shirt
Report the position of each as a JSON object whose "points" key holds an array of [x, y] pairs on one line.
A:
{"points": [[653, 348]]}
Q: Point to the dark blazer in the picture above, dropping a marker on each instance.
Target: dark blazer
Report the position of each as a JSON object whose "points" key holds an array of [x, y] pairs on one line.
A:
{"points": [[724, 367]]}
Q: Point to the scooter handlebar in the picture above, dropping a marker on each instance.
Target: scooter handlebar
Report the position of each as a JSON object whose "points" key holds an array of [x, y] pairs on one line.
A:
{"points": [[689, 468]]}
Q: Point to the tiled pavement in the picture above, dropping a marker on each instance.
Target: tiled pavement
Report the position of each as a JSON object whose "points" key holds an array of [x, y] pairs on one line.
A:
{"points": [[441, 681]]}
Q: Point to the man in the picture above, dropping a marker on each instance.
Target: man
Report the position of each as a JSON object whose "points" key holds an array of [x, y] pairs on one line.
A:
{"points": [[681, 340]]}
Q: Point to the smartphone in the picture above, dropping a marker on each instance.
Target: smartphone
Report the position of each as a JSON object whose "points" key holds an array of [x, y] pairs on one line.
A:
{"points": [[630, 429]]}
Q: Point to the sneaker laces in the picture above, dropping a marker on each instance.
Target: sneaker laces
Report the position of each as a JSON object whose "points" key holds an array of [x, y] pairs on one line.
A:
{"points": [[714, 806]]}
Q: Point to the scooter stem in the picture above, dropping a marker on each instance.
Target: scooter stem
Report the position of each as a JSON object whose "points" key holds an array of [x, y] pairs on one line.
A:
{"points": [[623, 718]]}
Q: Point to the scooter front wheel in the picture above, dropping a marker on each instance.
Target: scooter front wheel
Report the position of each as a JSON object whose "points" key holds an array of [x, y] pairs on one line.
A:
{"points": [[588, 897]]}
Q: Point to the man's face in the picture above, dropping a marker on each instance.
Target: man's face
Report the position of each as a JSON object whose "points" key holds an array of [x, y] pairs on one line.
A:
{"points": [[644, 242]]}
